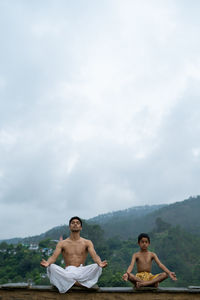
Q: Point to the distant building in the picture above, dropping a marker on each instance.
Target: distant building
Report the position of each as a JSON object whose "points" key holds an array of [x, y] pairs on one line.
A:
{"points": [[33, 247]]}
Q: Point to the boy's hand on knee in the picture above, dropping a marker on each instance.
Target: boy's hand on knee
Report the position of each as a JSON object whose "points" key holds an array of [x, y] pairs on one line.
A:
{"points": [[125, 277], [172, 275]]}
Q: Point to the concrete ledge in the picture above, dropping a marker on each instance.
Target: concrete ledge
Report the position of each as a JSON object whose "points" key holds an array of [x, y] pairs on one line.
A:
{"points": [[25, 291]]}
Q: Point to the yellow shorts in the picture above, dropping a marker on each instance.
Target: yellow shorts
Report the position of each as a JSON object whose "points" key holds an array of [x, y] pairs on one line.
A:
{"points": [[146, 276]]}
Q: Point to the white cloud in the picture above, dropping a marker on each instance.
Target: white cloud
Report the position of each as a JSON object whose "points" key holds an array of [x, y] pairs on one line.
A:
{"points": [[2, 83], [196, 153], [99, 102], [8, 138]]}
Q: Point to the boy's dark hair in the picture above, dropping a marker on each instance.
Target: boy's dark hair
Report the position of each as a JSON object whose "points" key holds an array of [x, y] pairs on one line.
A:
{"points": [[77, 218], [143, 235]]}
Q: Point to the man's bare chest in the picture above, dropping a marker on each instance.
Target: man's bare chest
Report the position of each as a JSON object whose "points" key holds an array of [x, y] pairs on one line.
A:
{"points": [[75, 249]]}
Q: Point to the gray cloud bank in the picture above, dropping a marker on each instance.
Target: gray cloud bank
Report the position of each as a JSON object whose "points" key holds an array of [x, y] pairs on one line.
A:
{"points": [[99, 108]]}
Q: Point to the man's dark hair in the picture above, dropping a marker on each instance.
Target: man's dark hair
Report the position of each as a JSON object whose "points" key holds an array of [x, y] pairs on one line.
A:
{"points": [[143, 235], [77, 218]]}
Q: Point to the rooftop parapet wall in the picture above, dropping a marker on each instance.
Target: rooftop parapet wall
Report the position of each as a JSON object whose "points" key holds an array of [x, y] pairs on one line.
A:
{"points": [[26, 292]]}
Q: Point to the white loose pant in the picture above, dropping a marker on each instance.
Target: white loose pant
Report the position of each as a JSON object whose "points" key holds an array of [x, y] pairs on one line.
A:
{"points": [[64, 279]]}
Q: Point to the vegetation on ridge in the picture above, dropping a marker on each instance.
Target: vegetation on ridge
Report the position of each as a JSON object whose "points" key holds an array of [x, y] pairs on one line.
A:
{"points": [[175, 238], [177, 249]]}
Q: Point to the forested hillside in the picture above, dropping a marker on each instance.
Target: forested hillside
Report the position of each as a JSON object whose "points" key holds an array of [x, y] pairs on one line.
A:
{"points": [[132, 212], [177, 249], [63, 230], [185, 213], [130, 222], [175, 236]]}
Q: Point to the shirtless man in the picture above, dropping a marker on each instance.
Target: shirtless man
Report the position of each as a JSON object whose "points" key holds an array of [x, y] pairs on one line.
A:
{"points": [[143, 260], [74, 251]]}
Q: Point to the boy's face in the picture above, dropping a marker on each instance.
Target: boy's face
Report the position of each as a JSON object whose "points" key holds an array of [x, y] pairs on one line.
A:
{"points": [[144, 243]]}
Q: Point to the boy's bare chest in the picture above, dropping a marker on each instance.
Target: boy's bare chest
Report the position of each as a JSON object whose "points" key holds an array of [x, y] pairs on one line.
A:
{"points": [[144, 259]]}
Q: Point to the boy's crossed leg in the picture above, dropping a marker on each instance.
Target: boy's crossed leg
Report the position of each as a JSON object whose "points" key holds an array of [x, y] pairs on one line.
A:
{"points": [[151, 283], [132, 278]]}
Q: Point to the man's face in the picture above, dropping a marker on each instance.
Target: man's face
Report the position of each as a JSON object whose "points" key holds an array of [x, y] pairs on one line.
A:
{"points": [[75, 225], [144, 243]]}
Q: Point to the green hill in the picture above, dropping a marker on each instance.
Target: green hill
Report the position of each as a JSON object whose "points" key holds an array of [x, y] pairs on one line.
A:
{"points": [[63, 230], [130, 222], [177, 249], [185, 214], [132, 212]]}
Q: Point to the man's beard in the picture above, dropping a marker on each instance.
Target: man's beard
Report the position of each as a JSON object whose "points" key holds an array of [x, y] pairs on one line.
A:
{"points": [[75, 230]]}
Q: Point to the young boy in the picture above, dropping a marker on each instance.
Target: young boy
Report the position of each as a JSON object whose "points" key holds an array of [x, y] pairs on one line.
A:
{"points": [[143, 260]]}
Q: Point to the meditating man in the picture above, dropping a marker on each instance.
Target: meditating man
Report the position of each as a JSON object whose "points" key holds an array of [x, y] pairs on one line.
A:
{"points": [[74, 250]]}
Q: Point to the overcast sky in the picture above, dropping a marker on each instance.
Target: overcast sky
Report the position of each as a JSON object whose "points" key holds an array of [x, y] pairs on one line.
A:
{"points": [[99, 108]]}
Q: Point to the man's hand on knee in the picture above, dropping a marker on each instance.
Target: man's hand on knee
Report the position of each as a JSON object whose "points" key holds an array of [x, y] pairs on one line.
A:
{"points": [[103, 264], [44, 263]]}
